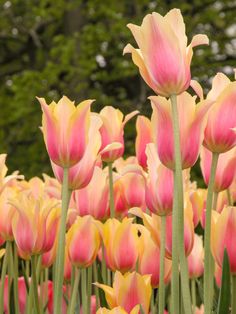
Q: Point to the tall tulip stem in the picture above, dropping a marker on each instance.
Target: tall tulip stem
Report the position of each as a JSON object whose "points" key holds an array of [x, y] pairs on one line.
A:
{"points": [[74, 292], [111, 191], [15, 278], [161, 291], [233, 298], [178, 218], [58, 293], [34, 283], [208, 276]]}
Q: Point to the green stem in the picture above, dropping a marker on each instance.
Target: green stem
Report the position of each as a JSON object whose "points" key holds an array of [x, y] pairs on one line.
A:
{"points": [[42, 291], [95, 274], [208, 279], [46, 273], [10, 271], [161, 291], [111, 191], [233, 297], [109, 281], [38, 267], [89, 288], [229, 198], [104, 267], [180, 209], [215, 199], [15, 278], [3, 276], [175, 255], [58, 292], [27, 268], [84, 291], [34, 283], [193, 292], [74, 292]]}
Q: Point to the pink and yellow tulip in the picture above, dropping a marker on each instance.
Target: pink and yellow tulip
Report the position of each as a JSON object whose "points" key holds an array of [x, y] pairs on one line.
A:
{"points": [[34, 223], [65, 130], [192, 119], [129, 188], [7, 212], [97, 205], [118, 310], [128, 291], [7, 180], [163, 57], [149, 260], [223, 236], [81, 173], [226, 168], [219, 136], [144, 136], [195, 258], [122, 244], [83, 241], [112, 132], [159, 192]]}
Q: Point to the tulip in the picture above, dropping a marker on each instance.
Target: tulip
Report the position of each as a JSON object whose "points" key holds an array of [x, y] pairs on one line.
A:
{"points": [[97, 205], [50, 299], [120, 163], [226, 168], [129, 188], [65, 130], [67, 265], [122, 244], [144, 136], [198, 200], [219, 136], [128, 291], [7, 212], [80, 174], [218, 275], [151, 222], [199, 310], [93, 306], [188, 230], [149, 260], [159, 192], [22, 295], [195, 258], [49, 257], [163, 57], [112, 131], [83, 242], [223, 235], [34, 223], [52, 187], [118, 310], [192, 119], [4, 179]]}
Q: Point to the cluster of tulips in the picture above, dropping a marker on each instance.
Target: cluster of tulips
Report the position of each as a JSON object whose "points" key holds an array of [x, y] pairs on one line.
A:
{"points": [[115, 235]]}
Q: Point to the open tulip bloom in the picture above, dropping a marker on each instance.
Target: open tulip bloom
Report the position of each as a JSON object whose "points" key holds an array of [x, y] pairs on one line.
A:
{"points": [[134, 235]]}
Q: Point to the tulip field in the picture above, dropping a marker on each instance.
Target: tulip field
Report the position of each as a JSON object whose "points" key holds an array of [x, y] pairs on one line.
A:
{"points": [[132, 235]]}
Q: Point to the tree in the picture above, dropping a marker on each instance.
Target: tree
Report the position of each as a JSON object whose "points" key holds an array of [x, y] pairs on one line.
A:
{"points": [[50, 48]]}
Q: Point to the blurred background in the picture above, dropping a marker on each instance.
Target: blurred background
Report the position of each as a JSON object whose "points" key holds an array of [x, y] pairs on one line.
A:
{"points": [[50, 48]]}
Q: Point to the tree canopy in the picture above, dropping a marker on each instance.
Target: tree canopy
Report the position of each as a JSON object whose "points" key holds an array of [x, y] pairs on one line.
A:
{"points": [[53, 48]]}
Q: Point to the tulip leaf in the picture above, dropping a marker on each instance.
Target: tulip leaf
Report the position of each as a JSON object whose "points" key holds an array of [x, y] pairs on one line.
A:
{"points": [[141, 309], [224, 297], [102, 298]]}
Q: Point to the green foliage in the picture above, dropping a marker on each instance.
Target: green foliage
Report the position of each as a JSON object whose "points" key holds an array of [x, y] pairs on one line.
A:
{"points": [[224, 298], [50, 48]]}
